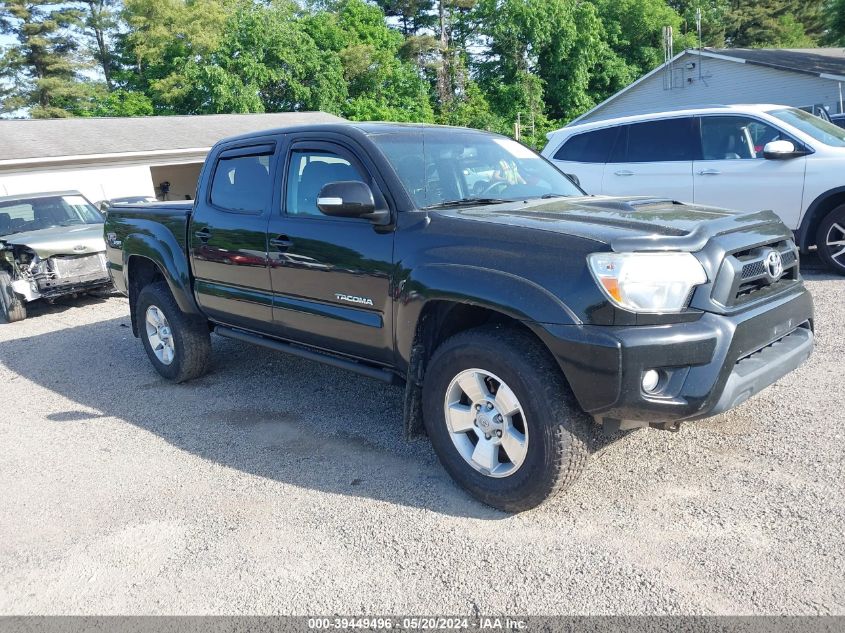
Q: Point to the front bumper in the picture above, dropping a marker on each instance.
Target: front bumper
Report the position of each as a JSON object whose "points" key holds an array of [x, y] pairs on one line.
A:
{"points": [[707, 366]]}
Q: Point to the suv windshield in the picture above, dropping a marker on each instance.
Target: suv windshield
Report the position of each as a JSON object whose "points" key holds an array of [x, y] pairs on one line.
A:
{"points": [[440, 167], [819, 129], [43, 212]]}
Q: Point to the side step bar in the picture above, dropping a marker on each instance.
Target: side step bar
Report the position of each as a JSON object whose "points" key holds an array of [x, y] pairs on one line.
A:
{"points": [[335, 361]]}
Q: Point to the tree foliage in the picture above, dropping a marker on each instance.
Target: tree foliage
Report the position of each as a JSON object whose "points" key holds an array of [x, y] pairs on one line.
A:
{"points": [[480, 63]]}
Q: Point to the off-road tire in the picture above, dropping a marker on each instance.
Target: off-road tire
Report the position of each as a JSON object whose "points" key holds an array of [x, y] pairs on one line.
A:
{"points": [[191, 339], [12, 308], [558, 428], [837, 216]]}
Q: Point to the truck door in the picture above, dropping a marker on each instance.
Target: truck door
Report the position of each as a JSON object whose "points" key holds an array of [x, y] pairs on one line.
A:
{"points": [[228, 236], [330, 276]]}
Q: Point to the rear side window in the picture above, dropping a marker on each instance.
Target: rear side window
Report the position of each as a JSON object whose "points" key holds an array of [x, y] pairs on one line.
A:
{"points": [[657, 141], [589, 147], [241, 184]]}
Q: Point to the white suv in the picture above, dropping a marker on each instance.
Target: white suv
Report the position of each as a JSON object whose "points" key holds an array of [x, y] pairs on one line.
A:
{"points": [[747, 157]]}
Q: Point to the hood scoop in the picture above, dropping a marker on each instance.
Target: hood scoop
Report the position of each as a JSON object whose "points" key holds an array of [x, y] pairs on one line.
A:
{"points": [[635, 205]]}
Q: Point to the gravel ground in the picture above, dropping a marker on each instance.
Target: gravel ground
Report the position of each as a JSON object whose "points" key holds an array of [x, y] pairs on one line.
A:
{"points": [[277, 485]]}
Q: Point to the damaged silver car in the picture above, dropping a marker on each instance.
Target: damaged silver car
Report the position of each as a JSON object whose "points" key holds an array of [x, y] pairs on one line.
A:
{"points": [[51, 245]]}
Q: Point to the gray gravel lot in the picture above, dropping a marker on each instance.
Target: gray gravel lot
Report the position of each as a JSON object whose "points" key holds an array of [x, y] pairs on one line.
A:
{"points": [[277, 485]]}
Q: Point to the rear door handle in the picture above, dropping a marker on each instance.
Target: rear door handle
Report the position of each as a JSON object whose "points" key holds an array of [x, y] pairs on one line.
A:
{"points": [[709, 172], [624, 172], [203, 234], [281, 243]]}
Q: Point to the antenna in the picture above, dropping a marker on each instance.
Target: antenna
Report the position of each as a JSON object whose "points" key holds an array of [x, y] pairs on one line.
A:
{"points": [[668, 54], [698, 30]]}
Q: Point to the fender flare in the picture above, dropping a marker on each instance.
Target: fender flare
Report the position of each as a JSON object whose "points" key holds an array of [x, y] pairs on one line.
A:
{"points": [[806, 233], [167, 254], [514, 296]]}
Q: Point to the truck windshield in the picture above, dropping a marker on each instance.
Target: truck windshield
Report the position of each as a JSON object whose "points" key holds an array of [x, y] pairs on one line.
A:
{"points": [[441, 167], [44, 212], [810, 124]]}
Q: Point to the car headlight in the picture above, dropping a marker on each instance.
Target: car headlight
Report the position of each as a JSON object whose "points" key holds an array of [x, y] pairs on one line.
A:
{"points": [[647, 282]]}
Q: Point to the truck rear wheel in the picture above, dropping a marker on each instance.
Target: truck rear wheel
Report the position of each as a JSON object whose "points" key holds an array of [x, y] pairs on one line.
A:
{"points": [[502, 419], [830, 240], [177, 344], [12, 308]]}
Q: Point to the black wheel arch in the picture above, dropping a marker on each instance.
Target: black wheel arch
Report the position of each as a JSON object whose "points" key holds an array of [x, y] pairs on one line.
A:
{"points": [[438, 320], [142, 271], [818, 209]]}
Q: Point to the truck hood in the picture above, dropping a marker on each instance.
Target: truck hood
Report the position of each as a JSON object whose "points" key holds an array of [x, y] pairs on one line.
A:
{"points": [[625, 223], [83, 239]]}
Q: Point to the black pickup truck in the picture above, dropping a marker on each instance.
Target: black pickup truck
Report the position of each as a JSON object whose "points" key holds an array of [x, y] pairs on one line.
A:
{"points": [[512, 306]]}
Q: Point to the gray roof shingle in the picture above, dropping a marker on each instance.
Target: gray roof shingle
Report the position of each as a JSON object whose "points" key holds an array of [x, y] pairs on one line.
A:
{"points": [[814, 61], [45, 138]]}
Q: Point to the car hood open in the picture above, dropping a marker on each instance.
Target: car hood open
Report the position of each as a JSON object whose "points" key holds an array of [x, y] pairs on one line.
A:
{"points": [[83, 239]]}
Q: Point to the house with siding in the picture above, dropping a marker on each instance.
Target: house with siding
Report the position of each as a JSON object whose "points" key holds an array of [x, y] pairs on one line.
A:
{"points": [[804, 78], [107, 158]]}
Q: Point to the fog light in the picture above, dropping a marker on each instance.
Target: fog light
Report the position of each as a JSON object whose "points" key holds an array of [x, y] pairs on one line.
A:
{"points": [[651, 379]]}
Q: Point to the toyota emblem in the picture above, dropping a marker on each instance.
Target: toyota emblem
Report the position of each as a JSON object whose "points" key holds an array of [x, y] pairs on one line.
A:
{"points": [[774, 265]]}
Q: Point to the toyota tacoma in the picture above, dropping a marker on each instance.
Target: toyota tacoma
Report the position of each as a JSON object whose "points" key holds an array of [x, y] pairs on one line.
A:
{"points": [[512, 307]]}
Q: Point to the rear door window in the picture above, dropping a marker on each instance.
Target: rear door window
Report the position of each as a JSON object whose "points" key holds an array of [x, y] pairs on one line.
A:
{"points": [[589, 147], [669, 140], [241, 183]]}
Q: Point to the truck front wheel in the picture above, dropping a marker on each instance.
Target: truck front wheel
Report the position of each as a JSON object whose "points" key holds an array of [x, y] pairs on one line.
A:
{"points": [[11, 307], [502, 419], [177, 344]]}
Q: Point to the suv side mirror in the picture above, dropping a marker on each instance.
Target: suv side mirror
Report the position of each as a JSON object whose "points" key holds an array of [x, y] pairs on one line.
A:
{"points": [[781, 150], [350, 199]]}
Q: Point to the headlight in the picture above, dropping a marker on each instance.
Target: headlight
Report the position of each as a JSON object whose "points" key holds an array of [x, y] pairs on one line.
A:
{"points": [[647, 282]]}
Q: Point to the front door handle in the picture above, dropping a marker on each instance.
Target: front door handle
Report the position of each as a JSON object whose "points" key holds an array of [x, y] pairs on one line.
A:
{"points": [[281, 243], [624, 172], [709, 172], [204, 234]]}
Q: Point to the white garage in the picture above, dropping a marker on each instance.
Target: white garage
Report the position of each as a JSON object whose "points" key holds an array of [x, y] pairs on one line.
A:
{"points": [[110, 157]]}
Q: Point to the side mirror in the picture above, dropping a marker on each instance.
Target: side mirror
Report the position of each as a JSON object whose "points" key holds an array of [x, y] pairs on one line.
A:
{"points": [[781, 150], [350, 199], [574, 179]]}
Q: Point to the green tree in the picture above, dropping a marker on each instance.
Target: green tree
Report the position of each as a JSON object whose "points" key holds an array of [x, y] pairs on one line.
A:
{"points": [[773, 23], [162, 37], [381, 83], [42, 65], [546, 59], [413, 15], [835, 23], [713, 16], [99, 22], [119, 103], [634, 31], [265, 62]]}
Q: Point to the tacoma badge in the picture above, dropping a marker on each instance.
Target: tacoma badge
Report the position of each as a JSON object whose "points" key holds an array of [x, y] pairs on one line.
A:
{"points": [[352, 299]]}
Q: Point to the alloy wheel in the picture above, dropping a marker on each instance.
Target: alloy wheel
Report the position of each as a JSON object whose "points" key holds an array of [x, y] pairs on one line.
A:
{"points": [[160, 335], [486, 423]]}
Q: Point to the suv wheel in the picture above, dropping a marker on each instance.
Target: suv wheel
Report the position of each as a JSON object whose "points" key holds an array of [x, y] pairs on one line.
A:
{"points": [[502, 419], [12, 308], [177, 344], [830, 240]]}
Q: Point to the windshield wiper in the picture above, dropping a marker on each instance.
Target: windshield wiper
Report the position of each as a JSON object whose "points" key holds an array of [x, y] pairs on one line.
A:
{"points": [[548, 196], [465, 202]]}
